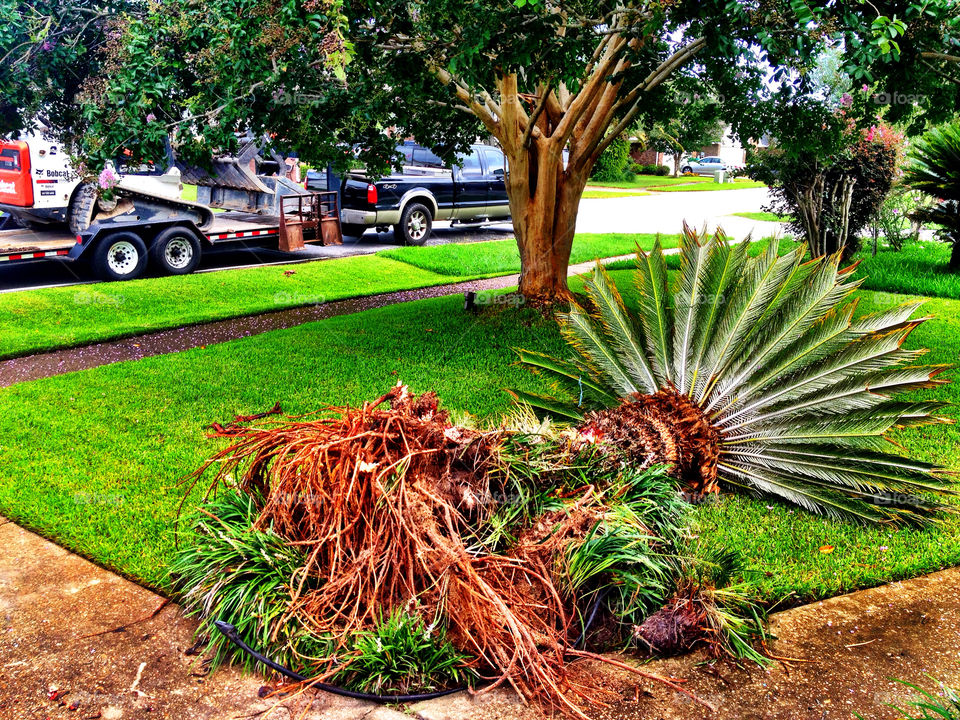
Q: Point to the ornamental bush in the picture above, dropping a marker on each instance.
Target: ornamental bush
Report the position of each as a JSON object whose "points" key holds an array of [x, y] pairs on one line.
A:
{"points": [[614, 162], [832, 199]]}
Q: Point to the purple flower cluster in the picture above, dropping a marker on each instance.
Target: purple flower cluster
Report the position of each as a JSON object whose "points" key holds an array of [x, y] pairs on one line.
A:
{"points": [[108, 179]]}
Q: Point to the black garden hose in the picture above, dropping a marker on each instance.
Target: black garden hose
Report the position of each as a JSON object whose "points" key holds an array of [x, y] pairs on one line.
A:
{"points": [[230, 632], [593, 614]]}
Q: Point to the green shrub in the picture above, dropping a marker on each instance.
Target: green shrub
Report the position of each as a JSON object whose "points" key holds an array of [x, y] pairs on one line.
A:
{"points": [[662, 170], [613, 162], [228, 571], [831, 199]]}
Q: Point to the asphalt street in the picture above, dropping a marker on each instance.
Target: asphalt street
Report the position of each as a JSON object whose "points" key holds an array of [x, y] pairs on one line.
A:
{"points": [[661, 212]]}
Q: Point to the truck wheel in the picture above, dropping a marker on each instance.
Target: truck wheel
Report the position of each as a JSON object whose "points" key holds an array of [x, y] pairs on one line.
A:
{"points": [[82, 206], [352, 230], [175, 251], [120, 256], [415, 225]]}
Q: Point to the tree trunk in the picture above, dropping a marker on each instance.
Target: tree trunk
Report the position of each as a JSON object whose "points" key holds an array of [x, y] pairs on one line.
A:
{"points": [[544, 198], [955, 256], [544, 210]]}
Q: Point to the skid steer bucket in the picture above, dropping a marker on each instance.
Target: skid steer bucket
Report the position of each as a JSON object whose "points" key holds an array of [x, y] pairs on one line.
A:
{"points": [[227, 171]]}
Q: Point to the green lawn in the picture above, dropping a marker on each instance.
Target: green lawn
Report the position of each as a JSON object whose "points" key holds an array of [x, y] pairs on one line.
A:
{"points": [[602, 194], [920, 268], [96, 459], [501, 256], [761, 216], [738, 184], [649, 181], [49, 318]]}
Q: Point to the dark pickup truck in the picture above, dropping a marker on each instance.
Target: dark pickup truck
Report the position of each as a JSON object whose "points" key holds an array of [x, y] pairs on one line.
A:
{"points": [[426, 191]]}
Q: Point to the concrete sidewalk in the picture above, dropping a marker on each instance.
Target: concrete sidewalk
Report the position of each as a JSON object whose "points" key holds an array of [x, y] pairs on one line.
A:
{"points": [[80, 642]]}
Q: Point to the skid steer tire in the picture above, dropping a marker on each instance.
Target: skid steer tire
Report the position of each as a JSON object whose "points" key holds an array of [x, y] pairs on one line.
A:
{"points": [[83, 205]]}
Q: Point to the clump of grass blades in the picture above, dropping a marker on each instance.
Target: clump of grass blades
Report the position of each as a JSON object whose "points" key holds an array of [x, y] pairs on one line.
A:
{"points": [[932, 707], [228, 570], [402, 654]]}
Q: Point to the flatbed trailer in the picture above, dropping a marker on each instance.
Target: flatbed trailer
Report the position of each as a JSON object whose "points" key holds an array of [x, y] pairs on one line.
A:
{"points": [[119, 245]]}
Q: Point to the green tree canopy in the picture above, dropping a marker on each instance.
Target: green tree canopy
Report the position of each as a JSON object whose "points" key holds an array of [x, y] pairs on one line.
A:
{"points": [[541, 77]]}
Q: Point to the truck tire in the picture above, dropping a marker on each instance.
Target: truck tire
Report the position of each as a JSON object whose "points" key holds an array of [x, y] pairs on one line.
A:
{"points": [[120, 256], [416, 222], [175, 251], [352, 230], [82, 206]]}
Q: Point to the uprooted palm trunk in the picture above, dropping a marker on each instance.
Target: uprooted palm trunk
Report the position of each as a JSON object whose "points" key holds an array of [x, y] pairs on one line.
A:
{"points": [[666, 428], [386, 503]]}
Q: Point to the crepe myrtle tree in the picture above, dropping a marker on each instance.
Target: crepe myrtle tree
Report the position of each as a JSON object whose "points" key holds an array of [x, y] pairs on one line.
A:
{"points": [[335, 78], [46, 54]]}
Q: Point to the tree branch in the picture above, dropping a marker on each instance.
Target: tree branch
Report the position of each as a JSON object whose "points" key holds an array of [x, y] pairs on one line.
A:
{"points": [[940, 56], [467, 98], [591, 89], [663, 71], [532, 120]]}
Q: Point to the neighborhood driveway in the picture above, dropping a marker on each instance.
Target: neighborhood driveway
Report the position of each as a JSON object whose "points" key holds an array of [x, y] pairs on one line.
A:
{"points": [[656, 212]]}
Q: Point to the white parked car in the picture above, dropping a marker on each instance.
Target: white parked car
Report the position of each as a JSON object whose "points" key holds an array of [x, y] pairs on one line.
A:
{"points": [[704, 166]]}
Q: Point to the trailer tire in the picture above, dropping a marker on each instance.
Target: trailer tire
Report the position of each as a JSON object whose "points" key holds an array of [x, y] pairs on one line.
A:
{"points": [[83, 204], [120, 256], [416, 223], [175, 251]]}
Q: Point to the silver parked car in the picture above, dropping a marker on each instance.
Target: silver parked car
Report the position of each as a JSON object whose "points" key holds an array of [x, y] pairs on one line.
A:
{"points": [[704, 165]]}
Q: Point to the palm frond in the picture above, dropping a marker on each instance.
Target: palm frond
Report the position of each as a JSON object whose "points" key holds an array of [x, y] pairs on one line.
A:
{"points": [[621, 329], [934, 163], [590, 340], [656, 313]]}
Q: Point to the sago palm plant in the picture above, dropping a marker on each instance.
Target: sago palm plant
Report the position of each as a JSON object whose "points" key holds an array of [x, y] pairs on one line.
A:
{"points": [[934, 169], [751, 373]]}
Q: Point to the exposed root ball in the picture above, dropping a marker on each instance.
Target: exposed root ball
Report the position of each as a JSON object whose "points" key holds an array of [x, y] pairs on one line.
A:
{"points": [[386, 503], [674, 629]]}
